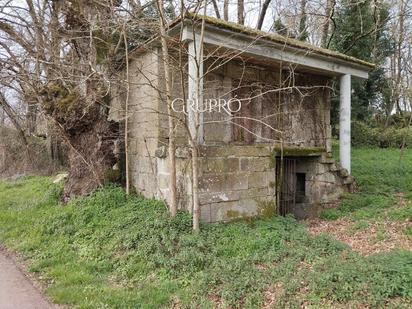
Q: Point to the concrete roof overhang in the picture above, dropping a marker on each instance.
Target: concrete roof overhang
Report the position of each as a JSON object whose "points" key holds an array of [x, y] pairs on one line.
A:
{"points": [[267, 47]]}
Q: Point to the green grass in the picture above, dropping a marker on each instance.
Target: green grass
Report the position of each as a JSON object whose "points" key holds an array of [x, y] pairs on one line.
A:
{"points": [[109, 251], [380, 175]]}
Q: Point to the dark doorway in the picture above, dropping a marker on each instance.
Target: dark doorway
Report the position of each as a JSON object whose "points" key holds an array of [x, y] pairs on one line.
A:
{"points": [[286, 190], [300, 192], [291, 189]]}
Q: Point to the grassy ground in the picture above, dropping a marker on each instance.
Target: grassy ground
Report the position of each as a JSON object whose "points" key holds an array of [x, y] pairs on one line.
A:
{"points": [[384, 177], [109, 251], [378, 218]]}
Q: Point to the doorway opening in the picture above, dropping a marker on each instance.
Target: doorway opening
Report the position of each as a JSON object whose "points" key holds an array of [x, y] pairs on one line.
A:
{"points": [[292, 185]]}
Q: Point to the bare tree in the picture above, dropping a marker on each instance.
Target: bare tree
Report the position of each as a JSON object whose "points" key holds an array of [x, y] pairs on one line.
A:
{"points": [[70, 54], [11, 114], [226, 10], [216, 8], [262, 14], [241, 12], [303, 34], [172, 147], [330, 6]]}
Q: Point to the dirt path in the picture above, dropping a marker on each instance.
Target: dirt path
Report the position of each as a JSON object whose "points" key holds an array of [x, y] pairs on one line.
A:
{"points": [[16, 290]]}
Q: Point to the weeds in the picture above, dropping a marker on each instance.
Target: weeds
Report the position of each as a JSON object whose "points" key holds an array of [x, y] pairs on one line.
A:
{"points": [[107, 250], [380, 174]]}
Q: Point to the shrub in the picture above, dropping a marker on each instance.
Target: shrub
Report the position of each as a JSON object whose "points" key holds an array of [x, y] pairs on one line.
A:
{"points": [[362, 134], [109, 250], [396, 137], [330, 214], [365, 135]]}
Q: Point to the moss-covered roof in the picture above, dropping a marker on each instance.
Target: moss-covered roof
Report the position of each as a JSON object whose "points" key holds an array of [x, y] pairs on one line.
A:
{"points": [[275, 38]]}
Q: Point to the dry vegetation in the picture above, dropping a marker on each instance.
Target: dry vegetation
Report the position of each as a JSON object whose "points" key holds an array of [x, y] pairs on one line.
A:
{"points": [[18, 159]]}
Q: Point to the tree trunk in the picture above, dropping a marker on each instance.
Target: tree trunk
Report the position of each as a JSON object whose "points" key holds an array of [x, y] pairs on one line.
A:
{"points": [[2, 117], [303, 34], [13, 118], [263, 14], [226, 10], [171, 121], [326, 24], [195, 189], [241, 12], [216, 8], [91, 158]]}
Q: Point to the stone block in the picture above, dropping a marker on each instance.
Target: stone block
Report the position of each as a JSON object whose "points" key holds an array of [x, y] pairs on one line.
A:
{"points": [[257, 180], [333, 167], [223, 182], [165, 195], [226, 211], [146, 146], [161, 152], [235, 151], [183, 152], [322, 168], [141, 181], [205, 213], [254, 193], [349, 180], [151, 185], [327, 158], [216, 197], [217, 131], [271, 176], [163, 166], [132, 146], [325, 178], [146, 165], [343, 172], [254, 164], [163, 181], [220, 165]]}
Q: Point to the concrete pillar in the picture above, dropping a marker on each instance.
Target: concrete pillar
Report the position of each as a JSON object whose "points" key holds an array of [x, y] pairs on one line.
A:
{"points": [[195, 88], [345, 121]]}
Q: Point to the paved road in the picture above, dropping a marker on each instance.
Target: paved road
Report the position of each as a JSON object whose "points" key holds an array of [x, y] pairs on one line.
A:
{"points": [[16, 290]]}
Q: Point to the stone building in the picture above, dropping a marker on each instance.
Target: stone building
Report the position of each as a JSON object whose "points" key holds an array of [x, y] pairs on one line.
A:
{"points": [[274, 152]]}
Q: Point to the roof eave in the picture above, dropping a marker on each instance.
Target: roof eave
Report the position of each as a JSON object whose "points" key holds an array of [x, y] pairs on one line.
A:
{"points": [[264, 48]]}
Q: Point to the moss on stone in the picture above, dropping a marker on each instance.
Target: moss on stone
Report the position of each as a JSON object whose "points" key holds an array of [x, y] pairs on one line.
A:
{"points": [[272, 184], [237, 216], [56, 96], [266, 209], [232, 214], [275, 38], [112, 175], [272, 163], [66, 102], [297, 151]]}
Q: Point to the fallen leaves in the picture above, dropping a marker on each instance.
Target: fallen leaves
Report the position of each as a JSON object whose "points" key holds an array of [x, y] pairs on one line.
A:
{"points": [[378, 235]]}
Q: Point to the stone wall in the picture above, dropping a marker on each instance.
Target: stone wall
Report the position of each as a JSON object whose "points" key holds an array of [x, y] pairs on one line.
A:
{"points": [[296, 105], [237, 178], [236, 181], [325, 183], [143, 122], [240, 181]]}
